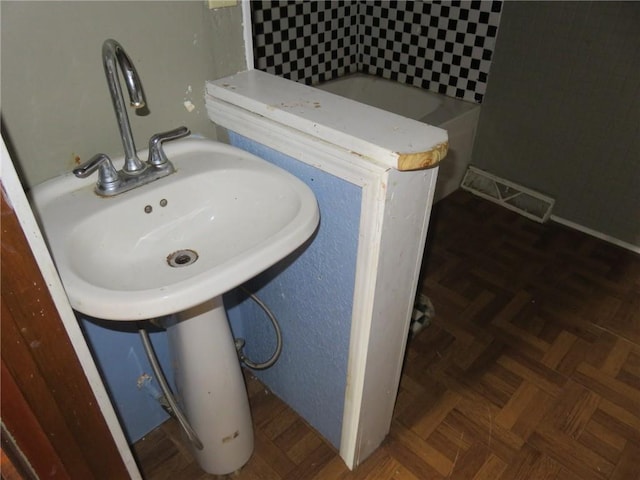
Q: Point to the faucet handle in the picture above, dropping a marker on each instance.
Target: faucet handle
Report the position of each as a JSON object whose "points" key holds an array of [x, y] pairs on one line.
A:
{"points": [[107, 175], [157, 157]]}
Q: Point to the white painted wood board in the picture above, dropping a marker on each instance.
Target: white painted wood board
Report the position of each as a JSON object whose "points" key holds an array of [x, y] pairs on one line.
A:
{"points": [[395, 141]]}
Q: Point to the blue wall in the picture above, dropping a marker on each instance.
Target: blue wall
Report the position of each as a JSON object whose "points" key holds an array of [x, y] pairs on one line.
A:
{"points": [[118, 351], [311, 294]]}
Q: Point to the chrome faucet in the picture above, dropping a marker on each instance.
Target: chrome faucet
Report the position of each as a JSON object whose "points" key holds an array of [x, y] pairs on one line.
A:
{"points": [[112, 51], [135, 172]]}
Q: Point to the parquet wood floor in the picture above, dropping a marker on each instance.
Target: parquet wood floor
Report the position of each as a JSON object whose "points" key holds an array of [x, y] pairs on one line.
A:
{"points": [[530, 369]]}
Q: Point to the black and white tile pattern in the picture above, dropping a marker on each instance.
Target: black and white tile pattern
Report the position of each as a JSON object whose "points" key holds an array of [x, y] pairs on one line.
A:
{"points": [[309, 42], [444, 47]]}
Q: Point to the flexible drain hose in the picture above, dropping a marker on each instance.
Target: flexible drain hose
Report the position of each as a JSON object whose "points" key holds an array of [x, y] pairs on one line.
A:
{"points": [[164, 386], [240, 341]]}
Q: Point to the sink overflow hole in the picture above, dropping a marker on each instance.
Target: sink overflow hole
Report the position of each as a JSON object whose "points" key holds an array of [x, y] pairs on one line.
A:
{"points": [[182, 258]]}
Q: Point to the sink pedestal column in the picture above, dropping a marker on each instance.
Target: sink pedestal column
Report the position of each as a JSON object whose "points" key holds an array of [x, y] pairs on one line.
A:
{"points": [[211, 388]]}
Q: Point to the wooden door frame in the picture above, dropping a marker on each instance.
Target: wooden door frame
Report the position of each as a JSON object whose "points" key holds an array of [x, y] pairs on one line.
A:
{"points": [[49, 409], [47, 402]]}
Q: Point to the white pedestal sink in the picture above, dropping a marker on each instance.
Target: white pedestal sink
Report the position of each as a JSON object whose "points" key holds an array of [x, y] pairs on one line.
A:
{"points": [[211, 386], [175, 246]]}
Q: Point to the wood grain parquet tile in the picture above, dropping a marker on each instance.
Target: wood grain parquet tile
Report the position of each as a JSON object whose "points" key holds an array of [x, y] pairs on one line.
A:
{"points": [[627, 466], [573, 409], [518, 405], [412, 442], [531, 464], [530, 369], [278, 460], [491, 469], [567, 451], [409, 459], [597, 443]]}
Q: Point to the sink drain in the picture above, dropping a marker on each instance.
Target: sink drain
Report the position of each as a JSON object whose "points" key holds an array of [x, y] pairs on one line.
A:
{"points": [[182, 258]]}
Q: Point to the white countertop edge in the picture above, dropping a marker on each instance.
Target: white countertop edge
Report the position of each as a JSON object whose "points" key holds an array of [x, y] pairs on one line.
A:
{"points": [[364, 130]]}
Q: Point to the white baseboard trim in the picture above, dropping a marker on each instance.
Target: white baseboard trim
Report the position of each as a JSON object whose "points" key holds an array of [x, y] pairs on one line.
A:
{"points": [[595, 233]]}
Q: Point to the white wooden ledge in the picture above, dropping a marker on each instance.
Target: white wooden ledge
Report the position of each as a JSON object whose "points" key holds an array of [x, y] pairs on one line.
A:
{"points": [[395, 141]]}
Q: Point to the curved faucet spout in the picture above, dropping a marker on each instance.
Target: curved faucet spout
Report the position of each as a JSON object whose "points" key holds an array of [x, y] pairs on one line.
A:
{"points": [[113, 52]]}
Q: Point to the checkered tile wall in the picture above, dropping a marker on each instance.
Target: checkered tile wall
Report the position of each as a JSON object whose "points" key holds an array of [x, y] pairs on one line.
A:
{"points": [[306, 41], [445, 47]]}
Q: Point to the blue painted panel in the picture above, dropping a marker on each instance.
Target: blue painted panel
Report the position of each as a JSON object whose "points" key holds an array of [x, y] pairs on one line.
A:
{"points": [[311, 294], [121, 359]]}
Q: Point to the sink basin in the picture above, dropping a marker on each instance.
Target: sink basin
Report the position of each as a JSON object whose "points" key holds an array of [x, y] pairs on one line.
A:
{"points": [[221, 219]]}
